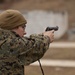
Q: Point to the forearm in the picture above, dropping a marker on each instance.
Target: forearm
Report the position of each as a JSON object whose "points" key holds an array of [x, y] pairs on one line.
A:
{"points": [[37, 48]]}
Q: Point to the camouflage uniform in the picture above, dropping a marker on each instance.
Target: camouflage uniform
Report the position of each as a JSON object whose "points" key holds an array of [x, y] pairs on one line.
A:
{"points": [[15, 52]]}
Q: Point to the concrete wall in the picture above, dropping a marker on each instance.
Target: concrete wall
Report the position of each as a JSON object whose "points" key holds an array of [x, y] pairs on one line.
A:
{"points": [[51, 5]]}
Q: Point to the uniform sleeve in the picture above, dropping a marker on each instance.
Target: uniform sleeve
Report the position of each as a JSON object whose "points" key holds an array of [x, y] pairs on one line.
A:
{"points": [[25, 50], [36, 46]]}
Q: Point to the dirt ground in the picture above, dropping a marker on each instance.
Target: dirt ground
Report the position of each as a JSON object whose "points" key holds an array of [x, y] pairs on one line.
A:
{"points": [[64, 54], [49, 71]]}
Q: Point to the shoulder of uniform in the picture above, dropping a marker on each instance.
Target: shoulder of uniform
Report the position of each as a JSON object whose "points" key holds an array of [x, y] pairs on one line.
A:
{"points": [[4, 31]]}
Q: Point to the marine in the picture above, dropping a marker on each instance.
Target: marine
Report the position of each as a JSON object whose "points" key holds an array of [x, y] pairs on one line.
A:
{"points": [[17, 50]]}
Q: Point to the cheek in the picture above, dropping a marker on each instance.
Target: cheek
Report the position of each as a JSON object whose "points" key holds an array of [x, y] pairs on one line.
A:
{"points": [[22, 31]]}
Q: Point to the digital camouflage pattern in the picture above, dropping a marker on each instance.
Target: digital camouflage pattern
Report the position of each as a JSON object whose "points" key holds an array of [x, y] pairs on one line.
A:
{"points": [[15, 52]]}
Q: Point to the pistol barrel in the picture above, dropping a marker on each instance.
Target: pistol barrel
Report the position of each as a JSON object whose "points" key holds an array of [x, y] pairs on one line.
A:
{"points": [[52, 28]]}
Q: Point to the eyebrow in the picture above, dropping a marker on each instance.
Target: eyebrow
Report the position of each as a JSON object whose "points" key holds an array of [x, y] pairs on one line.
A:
{"points": [[24, 25]]}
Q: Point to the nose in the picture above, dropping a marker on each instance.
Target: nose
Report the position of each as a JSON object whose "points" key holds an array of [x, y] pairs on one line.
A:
{"points": [[25, 33]]}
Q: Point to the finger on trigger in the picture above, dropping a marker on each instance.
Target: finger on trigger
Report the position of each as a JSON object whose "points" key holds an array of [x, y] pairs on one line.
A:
{"points": [[52, 31]]}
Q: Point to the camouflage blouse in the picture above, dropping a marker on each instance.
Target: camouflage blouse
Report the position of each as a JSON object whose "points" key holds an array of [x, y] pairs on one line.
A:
{"points": [[15, 52]]}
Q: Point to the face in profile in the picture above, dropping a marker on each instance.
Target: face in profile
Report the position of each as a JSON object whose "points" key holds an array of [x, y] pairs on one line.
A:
{"points": [[20, 30]]}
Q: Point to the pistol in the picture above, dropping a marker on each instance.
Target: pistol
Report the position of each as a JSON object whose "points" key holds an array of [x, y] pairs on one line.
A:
{"points": [[52, 28]]}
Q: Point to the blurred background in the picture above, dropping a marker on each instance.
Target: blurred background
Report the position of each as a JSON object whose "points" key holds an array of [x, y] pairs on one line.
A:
{"points": [[60, 58]]}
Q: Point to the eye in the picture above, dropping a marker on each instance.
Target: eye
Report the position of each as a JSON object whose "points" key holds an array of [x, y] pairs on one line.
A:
{"points": [[23, 26]]}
